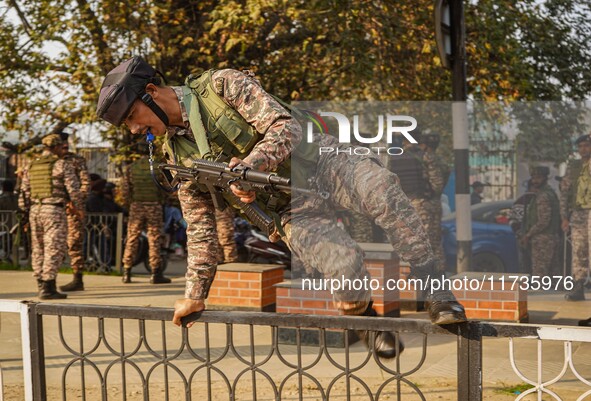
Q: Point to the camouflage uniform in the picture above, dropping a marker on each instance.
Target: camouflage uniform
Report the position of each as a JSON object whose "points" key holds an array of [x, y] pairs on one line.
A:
{"points": [[578, 221], [47, 217], [224, 219], [359, 227], [541, 227], [313, 234], [142, 214], [76, 225]]}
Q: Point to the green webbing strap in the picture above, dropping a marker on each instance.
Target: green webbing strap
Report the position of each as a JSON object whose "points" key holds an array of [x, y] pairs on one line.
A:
{"points": [[196, 122], [277, 219]]}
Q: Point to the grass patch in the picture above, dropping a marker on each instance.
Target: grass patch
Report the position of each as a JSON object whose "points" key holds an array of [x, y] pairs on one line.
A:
{"points": [[512, 390]]}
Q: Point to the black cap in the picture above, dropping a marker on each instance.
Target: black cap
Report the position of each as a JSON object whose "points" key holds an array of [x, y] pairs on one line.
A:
{"points": [[122, 86], [477, 184], [583, 138]]}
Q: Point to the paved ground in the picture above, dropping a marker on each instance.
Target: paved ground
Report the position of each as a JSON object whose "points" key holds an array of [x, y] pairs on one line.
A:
{"points": [[438, 372]]}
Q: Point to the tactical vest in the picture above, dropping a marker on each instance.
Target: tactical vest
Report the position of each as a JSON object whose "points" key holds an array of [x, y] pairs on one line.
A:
{"points": [[222, 133], [41, 177], [531, 217], [142, 187], [582, 191], [410, 171]]}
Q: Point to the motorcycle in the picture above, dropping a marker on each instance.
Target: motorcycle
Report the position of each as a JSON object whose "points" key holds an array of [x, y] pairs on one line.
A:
{"points": [[255, 247]]}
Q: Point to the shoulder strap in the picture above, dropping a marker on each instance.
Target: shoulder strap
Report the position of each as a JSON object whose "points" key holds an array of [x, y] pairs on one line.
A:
{"points": [[192, 106]]}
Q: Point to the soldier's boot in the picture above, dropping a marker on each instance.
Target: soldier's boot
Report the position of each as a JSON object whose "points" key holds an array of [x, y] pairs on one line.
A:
{"points": [[577, 293], [49, 291], [126, 279], [75, 285], [39, 284], [157, 277], [442, 305], [384, 342]]}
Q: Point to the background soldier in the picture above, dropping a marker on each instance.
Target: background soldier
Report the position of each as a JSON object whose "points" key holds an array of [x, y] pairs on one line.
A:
{"points": [[575, 205], [145, 209], [76, 221], [541, 223], [224, 219], [423, 176], [48, 184]]}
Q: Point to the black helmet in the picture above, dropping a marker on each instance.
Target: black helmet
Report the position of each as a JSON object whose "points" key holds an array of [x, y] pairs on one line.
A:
{"points": [[539, 170], [122, 86]]}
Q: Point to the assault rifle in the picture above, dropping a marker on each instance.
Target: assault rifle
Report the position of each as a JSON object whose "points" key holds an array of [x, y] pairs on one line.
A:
{"points": [[218, 177]]}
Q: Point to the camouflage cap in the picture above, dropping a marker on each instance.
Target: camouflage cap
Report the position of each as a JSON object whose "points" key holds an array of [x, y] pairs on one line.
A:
{"points": [[52, 140], [539, 170], [122, 86], [583, 138]]}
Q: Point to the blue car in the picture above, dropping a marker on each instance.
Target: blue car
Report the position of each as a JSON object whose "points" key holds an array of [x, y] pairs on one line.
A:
{"points": [[494, 246]]}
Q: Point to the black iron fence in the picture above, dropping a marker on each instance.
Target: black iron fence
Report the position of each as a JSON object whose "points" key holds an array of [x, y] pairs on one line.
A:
{"points": [[103, 240], [134, 353]]}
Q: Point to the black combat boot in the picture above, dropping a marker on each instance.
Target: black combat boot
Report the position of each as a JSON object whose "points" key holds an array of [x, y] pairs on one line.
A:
{"points": [[39, 284], [49, 291], [75, 285], [442, 305], [384, 342], [126, 279], [158, 278], [577, 293]]}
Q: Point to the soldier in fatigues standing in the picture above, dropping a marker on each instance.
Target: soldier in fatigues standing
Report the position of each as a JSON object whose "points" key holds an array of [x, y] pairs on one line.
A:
{"points": [[541, 223], [48, 184], [575, 206], [76, 221], [229, 117], [145, 209], [424, 187]]}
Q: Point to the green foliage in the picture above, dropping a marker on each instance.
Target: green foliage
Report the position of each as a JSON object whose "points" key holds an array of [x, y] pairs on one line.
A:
{"points": [[53, 54]]}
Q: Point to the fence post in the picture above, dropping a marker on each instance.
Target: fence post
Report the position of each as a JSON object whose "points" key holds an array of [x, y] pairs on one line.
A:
{"points": [[470, 362], [37, 353], [119, 239]]}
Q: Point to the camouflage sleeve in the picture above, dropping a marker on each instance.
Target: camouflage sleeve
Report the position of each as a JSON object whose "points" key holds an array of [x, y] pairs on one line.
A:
{"points": [[126, 185], [83, 176], [281, 131], [565, 187], [202, 242], [435, 174], [24, 198], [71, 183], [544, 206]]}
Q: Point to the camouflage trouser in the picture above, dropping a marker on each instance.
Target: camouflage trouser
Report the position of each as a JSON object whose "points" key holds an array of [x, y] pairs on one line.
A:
{"points": [[362, 185], [543, 249], [76, 232], [48, 236], [224, 219], [359, 227], [579, 229], [140, 214], [429, 211]]}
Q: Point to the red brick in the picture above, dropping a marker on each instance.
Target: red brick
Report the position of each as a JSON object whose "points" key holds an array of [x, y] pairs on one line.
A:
{"points": [[298, 293], [218, 300], [239, 284], [289, 302], [269, 292], [460, 294], [522, 305], [503, 295], [477, 295], [229, 275], [468, 304], [490, 305], [503, 315], [242, 302], [268, 300], [478, 314], [317, 304], [250, 276], [250, 293], [510, 305], [229, 292], [220, 283], [213, 292]]}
